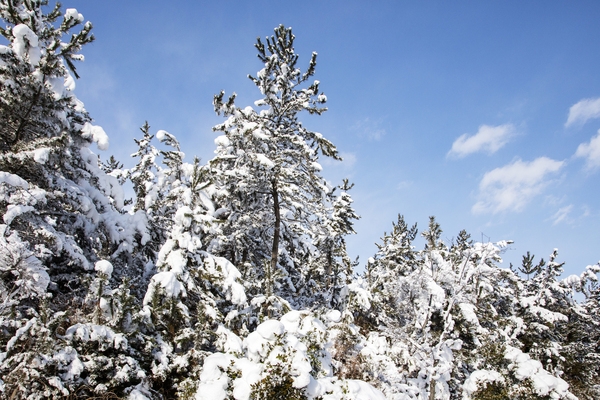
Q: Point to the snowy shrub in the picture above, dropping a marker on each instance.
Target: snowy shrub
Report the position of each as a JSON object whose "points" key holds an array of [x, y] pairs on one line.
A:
{"points": [[286, 358]]}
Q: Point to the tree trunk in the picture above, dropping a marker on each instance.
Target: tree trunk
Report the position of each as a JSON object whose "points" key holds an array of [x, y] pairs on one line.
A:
{"points": [[432, 390], [276, 230]]}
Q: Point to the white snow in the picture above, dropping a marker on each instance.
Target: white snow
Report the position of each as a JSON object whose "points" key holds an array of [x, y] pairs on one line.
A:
{"points": [[41, 155], [72, 13], [104, 267], [139, 393], [264, 160], [160, 135], [222, 141], [26, 43], [275, 342], [183, 216], [468, 312], [478, 379], [20, 332], [214, 380], [360, 295], [96, 333], [229, 342], [168, 281], [543, 382], [333, 316], [96, 134], [13, 211], [57, 383], [270, 329], [13, 180]]}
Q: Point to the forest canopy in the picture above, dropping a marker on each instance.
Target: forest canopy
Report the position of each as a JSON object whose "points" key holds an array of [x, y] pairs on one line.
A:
{"points": [[231, 278]]}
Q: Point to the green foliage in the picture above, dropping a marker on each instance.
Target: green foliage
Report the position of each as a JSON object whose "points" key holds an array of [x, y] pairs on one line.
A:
{"points": [[491, 391], [276, 385], [28, 109], [262, 205], [530, 269], [349, 363]]}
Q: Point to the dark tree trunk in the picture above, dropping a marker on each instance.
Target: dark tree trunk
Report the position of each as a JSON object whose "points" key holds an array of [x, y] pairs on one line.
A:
{"points": [[277, 228]]}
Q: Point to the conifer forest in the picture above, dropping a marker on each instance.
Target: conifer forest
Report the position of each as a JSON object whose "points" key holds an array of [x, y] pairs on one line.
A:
{"points": [[230, 279]]}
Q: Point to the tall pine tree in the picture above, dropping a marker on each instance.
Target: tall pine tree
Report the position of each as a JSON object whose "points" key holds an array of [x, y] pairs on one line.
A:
{"points": [[268, 174]]}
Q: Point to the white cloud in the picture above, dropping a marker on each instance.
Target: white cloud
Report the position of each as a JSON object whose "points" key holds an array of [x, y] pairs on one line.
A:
{"points": [[370, 129], [562, 214], [591, 152], [511, 187], [489, 139], [583, 110]]}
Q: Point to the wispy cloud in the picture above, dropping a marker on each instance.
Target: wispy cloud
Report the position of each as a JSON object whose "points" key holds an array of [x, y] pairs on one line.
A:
{"points": [[562, 214], [583, 110], [348, 159], [591, 152], [370, 129], [512, 187], [404, 185], [488, 139]]}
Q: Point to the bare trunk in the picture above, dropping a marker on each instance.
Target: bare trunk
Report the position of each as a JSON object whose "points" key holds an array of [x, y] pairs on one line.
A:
{"points": [[328, 277], [276, 230], [431, 381], [432, 390]]}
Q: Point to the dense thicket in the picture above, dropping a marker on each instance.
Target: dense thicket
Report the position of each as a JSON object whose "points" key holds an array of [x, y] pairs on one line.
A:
{"points": [[231, 279]]}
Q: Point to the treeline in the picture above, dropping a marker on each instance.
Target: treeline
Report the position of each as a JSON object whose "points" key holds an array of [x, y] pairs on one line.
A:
{"points": [[231, 278]]}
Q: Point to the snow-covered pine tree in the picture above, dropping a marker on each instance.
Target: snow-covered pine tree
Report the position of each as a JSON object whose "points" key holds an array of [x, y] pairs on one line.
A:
{"points": [[583, 354], [149, 205], [266, 167], [334, 265], [61, 219], [450, 330], [580, 345], [558, 328], [395, 258], [546, 305], [191, 292], [528, 267]]}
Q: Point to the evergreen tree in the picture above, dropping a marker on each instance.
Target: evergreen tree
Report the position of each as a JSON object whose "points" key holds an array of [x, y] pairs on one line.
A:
{"points": [[62, 219], [528, 268], [191, 292], [395, 258], [448, 325], [334, 268], [268, 174]]}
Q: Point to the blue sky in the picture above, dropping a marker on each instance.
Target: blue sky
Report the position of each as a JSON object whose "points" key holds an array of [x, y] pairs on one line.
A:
{"points": [[484, 114]]}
